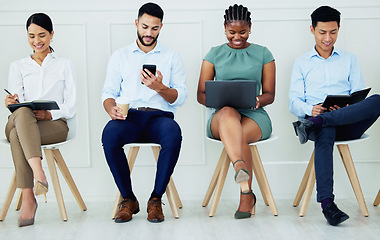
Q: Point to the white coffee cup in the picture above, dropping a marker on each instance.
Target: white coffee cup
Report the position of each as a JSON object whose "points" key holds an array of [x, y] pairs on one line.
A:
{"points": [[123, 103]]}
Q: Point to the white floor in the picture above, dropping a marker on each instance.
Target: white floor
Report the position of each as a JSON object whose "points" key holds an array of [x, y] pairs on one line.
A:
{"points": [[194, 223]]}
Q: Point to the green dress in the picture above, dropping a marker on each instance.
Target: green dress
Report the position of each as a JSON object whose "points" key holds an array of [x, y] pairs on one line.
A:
{"points": [[242, 64]]}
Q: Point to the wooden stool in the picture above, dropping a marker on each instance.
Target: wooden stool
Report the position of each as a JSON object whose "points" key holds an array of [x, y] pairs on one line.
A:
{"points": [[308, 180], [220, 173], [377, 199], [53, 157], [171, 191]]}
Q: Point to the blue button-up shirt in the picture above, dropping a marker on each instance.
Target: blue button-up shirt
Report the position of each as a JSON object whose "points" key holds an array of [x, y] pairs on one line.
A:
{"points": [[313, 78], [123, 77]]}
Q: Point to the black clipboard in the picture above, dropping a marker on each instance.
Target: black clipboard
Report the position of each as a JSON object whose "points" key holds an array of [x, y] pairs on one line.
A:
{"points": [[343, 100], [35, 105]]}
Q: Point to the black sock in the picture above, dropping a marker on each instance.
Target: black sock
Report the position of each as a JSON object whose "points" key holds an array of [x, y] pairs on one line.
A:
{"points": [[132, 197], [155, 195], [325, 202]]}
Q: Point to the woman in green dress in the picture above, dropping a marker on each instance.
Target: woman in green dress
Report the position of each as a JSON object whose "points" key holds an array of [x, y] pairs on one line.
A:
{"points": [[237, 128]]}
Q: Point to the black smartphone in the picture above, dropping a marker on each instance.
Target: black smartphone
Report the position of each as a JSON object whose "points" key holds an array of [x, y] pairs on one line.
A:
{"points": [[151, 68]]}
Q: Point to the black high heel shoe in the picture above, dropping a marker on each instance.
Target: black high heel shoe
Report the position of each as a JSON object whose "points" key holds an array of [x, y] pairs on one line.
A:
{"points": [[240, 214]]}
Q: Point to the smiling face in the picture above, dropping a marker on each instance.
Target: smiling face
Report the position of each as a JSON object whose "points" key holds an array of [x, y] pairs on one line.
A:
{"points": [[237, 33], [326, 34], [39, 39], [148, 29]]}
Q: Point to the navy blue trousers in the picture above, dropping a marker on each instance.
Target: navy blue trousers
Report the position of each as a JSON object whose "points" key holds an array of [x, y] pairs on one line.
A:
{"points": [[343, 124], [142, 127]]}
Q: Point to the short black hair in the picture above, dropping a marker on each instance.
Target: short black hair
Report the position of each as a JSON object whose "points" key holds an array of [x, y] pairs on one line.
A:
{"points": [[325, 14], [151, 9], [237, 13], [42, 20]]}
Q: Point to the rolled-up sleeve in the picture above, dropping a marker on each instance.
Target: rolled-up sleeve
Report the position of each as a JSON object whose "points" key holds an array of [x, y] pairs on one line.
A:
{"points": [[111, 87], [178, 81]]}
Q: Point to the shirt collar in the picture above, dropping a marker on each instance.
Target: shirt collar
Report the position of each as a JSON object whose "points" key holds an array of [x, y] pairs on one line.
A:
{"points": [[156, 49], [314, 53]]}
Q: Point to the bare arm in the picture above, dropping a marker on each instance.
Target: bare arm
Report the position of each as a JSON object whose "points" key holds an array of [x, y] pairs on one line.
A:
{"points": [[207, 73], [155, 83], [268, 85]]}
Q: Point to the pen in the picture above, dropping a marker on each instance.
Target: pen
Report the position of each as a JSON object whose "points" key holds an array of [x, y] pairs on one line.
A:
{"points": [[10, 94]]}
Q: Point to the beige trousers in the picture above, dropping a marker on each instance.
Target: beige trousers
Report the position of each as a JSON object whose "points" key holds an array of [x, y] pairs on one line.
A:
{"points": [[26, 135]]}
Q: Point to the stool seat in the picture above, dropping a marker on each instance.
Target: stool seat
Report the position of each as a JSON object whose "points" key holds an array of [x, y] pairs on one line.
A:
{"points": [[308, 180]]}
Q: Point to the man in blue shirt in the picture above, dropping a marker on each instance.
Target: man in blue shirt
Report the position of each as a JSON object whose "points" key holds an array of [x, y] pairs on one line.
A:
{"points": [[153, 102], [323, 71]]}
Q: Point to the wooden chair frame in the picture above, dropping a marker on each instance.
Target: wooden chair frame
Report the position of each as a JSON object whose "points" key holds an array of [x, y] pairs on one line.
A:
{"points": [[53, 158], [171, 191], [220, 174], [308, 180], [377, 199]]}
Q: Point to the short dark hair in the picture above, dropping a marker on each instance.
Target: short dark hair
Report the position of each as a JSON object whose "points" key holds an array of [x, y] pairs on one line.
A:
{"points": [[237, 13], [42, 20], [325, 14], [151, 9]]}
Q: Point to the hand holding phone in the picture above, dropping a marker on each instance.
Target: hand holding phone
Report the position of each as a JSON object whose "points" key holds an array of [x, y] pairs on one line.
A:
{"points": [[151, 68]]}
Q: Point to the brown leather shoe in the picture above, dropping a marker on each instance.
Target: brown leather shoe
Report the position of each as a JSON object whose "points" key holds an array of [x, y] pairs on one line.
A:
{"points": [[127, 207], [154, 210]]}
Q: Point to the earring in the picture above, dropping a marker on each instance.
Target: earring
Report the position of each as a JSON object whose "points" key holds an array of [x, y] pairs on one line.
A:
{"points": [[51, 40], [249, 32], [225, 33]]}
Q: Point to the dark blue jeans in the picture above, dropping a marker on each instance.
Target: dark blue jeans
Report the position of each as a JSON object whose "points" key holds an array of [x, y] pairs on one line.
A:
{"points": [[343, 124], [142, 127]]}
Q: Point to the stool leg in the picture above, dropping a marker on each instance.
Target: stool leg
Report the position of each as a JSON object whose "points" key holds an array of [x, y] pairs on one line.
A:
{"points": [[69, 179], [118, 200], [19, 201], [309, 189], [8, 198], [304, 181], [54, 178], [214, 179], [220, 182], [377, 199], [261, 177], [350, 168], [174, 201], [176, 195]]}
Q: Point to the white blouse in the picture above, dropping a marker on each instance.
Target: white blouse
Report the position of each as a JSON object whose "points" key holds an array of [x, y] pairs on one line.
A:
{"points": [[54, 80]]}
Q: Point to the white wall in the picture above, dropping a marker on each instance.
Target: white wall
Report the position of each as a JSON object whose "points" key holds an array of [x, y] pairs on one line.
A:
{"points": [[89, 31]]}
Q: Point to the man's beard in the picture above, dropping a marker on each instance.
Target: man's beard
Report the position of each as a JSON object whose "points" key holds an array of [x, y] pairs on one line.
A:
{"points": [[142, 40]]}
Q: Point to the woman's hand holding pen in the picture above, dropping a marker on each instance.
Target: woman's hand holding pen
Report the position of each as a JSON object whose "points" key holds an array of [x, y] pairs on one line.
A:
{"points": [[11, 99]]}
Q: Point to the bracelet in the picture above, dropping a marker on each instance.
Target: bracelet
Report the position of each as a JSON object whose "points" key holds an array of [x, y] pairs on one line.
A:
{"points": [[258, 100]]}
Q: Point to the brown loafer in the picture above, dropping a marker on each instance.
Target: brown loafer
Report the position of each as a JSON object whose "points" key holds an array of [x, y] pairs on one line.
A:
{"points": [[155, 214], [127, 207]]}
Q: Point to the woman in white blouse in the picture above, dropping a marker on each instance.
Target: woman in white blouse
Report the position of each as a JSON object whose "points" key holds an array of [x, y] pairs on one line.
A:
{"points": [[41, 76]]}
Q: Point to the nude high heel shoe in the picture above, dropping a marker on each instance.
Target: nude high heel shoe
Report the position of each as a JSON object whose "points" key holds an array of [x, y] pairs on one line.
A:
{"points": [[41, 188]]}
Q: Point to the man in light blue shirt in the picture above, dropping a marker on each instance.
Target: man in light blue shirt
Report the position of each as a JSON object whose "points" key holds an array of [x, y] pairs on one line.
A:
{"points": [[154, 99], [328, 71]]}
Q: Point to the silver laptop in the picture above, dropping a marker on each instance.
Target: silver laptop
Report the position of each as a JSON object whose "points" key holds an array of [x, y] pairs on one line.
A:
{"points": [[232, 93]]}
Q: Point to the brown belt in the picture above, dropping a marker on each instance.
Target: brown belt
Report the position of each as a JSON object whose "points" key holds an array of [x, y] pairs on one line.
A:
{"points": [[145, 109]]}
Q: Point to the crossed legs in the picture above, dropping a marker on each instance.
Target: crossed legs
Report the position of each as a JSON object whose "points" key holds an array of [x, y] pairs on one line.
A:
{"points": [[236, 132]]}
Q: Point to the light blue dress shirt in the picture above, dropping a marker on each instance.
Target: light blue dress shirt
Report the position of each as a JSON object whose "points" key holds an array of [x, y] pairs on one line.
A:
{"points": [[123, 77], [313, 78]]}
